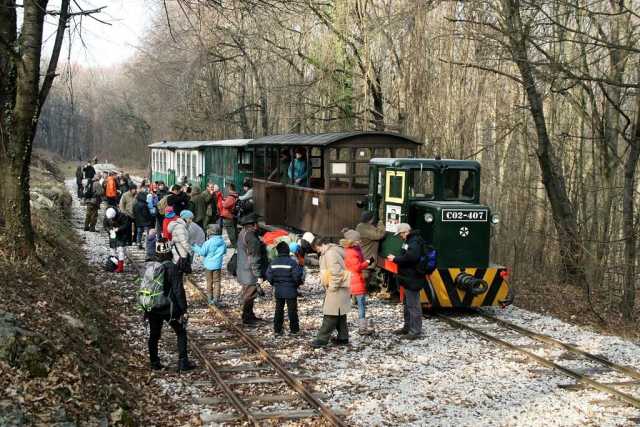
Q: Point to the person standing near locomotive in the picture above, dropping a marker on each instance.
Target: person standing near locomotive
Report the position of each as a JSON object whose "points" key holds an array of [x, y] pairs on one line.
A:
{"points": [[411, 280], [92, 198], [337, 301], [249, 267], [228, 214], [370, 237]]}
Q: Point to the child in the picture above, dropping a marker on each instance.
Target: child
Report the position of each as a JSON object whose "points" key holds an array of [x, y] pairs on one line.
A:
{"points": [[213, 251], [354, 262], [285, 275]]}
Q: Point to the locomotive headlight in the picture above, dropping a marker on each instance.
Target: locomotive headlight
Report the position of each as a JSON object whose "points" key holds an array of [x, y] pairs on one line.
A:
{"points": [[495, 219], [428, 218]]}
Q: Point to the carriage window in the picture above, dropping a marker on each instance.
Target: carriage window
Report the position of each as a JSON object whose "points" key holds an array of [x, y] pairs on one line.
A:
{"points": [[459, 184], [363, 154], [187, 171], [339, 168], [339, 154], [194, 165], [244, 161], [382, 152], [421, 185], [403, 152], [259, 166], [229, 161]]}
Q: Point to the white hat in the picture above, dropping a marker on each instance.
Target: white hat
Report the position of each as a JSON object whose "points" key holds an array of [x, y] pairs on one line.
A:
{"points": [[403, 228], [111, 213], [308, 237]]}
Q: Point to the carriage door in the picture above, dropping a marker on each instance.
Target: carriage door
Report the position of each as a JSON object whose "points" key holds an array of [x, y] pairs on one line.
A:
{"points": [[394, 197]]}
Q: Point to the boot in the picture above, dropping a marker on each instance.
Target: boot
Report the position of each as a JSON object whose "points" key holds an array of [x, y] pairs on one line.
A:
{"points": [[120, 267], [156, 365], [362, 327], [370, 327], [185, 365]]}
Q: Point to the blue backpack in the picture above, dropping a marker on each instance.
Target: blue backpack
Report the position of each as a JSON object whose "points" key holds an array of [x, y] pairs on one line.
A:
{"points": [[427, 262]]}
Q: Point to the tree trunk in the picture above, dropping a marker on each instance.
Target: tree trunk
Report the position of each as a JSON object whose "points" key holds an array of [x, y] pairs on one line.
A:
{"points": [[630, 248], [563, 213]]}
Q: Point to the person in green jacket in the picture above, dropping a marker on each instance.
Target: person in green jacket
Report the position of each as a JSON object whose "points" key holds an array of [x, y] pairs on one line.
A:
{"points": [[298, 173], [199, 202]]}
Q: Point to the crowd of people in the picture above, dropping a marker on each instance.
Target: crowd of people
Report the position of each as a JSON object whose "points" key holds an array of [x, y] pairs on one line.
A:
{"points": [[174, 224]]}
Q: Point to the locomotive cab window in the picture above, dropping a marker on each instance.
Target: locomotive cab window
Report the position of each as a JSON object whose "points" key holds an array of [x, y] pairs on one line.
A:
{"points": [[459, 184], [395, 186], [421, 185]]}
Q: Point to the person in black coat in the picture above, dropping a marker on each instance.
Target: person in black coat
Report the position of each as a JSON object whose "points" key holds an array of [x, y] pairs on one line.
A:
{"points": [[178, 199], [142, 217], [285, 275], [410, 280], [116, 224], [79, 177], [89, 171], [175, 314]]}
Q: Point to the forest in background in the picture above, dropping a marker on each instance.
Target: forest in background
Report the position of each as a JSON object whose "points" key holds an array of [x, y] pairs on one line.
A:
{"points": [[544, 94]]}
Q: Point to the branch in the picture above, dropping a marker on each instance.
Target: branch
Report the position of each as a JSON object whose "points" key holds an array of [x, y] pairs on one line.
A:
{"points": [[480, 67], [55, 54]]}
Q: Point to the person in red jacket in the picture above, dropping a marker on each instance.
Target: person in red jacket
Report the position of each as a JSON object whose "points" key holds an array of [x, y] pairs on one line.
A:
{"points": [[216, 201], [169, 217], [355, 263], [228, 215]]}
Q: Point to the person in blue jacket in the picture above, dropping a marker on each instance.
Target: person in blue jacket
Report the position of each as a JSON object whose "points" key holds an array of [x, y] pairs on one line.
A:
{"points": [[285, 275], [213, 251], [298, 173]]}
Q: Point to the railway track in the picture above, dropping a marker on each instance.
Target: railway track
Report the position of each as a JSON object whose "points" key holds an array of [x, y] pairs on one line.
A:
{"points": [[531, 344], [258, 387]]}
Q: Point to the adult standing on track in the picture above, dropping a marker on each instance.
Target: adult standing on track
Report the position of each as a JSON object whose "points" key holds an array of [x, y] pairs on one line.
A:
{"points": [[337, 301], [79, 177], [178, 199], [199, 201], [175, 314], [370, 237], [410, 280], [89, 171], [127, 201], [111, 189], [92, 198], [116, 224], [228, 215], [142, 217], [249, 266]]}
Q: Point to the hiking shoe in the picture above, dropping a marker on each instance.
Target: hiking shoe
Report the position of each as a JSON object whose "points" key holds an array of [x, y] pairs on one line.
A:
{"points": [[249, 323], [186, 365], [318, 344], [278, 333], [156, 365], [338, 341], [401, 331], [410, 336]]}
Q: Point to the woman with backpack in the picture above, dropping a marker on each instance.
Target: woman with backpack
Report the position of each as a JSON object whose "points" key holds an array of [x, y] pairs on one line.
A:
{"points": [[171, 309]]}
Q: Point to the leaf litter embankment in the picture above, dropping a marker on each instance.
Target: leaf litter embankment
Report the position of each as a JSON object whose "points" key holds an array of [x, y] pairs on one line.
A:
{"points": [[64, 356]]}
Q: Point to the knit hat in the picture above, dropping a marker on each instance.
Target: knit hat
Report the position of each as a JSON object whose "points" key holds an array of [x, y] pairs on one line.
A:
{"points": [[352, 235], [402, 228], [308, 237], [282, 248], [111, 213], [367, 216], [186, 214], [294, 247], [214, 230], [169, 213]]}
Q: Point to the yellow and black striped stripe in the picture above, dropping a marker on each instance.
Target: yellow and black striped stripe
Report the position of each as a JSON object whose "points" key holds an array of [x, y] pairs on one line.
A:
{"points": [[446, 294]]}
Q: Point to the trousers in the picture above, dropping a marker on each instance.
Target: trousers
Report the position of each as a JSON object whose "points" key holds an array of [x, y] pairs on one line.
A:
{"points": [[155, 331], [214, 279], [412, 312], [362, 306], [292, 312], [248, 296], [232, 231], [91, 218], [331, 323]]}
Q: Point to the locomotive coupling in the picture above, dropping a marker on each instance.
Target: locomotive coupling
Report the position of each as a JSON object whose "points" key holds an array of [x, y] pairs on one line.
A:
{"points": [[468, 283]]}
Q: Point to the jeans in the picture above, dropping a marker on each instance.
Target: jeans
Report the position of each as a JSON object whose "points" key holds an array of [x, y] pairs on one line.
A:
{"points": [[139, 232], [292, 312], [412, 312], [155, 331], [362, 306]]}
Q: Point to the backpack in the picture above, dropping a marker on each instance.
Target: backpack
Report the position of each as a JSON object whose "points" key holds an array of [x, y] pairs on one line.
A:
{"points": [[151, 292], [427, 261], [162, 205]]}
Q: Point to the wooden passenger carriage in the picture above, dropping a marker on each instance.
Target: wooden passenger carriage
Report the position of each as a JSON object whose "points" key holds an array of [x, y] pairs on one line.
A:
{"points": [[338, 165]]}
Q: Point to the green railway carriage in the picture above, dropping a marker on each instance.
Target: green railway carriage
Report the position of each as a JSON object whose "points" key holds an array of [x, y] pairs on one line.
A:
{"points": [[441, 199], [200, 162]]}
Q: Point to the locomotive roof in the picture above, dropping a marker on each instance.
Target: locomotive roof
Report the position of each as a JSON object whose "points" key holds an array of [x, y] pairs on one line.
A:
{"points": [[191, 145], [323, 138], [417, 163]]}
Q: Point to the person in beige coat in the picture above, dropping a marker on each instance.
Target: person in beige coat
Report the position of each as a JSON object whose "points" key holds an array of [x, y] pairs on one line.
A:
{"points": [[337, 301]]}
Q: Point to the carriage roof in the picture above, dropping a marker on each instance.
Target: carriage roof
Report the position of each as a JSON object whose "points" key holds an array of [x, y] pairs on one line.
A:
{"points": [[323, 139], [193, 145]]}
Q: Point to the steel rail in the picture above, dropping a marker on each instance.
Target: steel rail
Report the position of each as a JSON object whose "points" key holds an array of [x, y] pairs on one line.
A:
{"points": [[550, 340], [233, 398], [296, 385], [546, 362]]}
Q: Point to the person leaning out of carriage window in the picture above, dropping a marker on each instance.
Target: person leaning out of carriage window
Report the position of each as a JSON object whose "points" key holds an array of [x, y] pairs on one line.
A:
{"points": [[298, 173], [411, 280], [337, 301]]}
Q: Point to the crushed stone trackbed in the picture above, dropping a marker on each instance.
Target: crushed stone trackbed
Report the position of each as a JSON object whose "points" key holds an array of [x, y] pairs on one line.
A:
{"points": [[448, 378]]}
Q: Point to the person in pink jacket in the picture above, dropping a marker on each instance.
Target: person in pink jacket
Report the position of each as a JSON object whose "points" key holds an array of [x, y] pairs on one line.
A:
{"points": [[355, 263]]}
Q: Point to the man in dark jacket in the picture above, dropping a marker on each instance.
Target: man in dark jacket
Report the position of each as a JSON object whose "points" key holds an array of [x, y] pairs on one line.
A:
{"points": [[198, 204], [89, 171], [285, 275], [178, 199], [92, 197], [142, 216], [175, 314], [249, 267], [117, 224], [79, 177], [410, 280]]}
